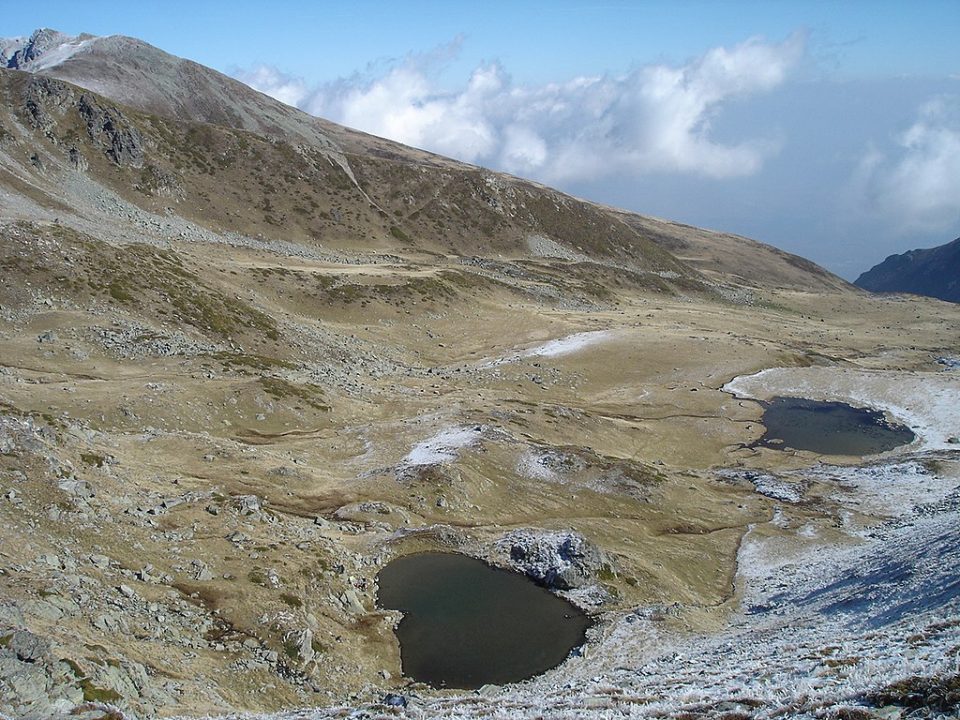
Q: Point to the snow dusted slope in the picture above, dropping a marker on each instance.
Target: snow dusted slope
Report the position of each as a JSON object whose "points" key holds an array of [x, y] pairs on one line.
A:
{"points": [[559, 347], [850, 587], [8, 48], [137, 74], [44, 49], [848, 600]]}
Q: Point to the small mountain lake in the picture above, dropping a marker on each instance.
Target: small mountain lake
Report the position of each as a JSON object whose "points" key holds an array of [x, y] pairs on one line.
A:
{"points": [[467, 624], [829, 428]]}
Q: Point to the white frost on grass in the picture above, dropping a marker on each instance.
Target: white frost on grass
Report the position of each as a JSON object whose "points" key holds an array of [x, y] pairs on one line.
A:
{"points": [[886, 490], [822, 630], [534, 465], [821, 627], [442, 447], [771, 486], [928, 403], [950, 363], [566, 345], [882, 489], [829, 612]]}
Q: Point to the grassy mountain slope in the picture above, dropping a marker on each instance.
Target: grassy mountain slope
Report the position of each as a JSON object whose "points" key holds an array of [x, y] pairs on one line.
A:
{"points": [[440, 203]]}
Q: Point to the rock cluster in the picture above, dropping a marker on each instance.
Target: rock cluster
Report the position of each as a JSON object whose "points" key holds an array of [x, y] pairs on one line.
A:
{"points": [[17, 53], [110, 129], [556, 560], [37, 681]]}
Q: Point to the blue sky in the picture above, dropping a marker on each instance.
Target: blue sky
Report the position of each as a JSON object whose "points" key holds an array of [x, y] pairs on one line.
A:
{"points": [[830, 129]]}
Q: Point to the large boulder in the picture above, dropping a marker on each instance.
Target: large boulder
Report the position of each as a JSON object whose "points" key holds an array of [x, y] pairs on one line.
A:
{"points": [[557, 560]]}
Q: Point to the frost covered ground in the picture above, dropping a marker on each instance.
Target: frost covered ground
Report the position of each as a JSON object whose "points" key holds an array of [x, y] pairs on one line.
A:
{"points": [[852, 587], [817, 630], [559, 347], [441, 447]]}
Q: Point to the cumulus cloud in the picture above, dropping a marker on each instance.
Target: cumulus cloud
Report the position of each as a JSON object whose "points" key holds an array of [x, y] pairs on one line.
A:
{"points": [[285, 88], [654, 119], [404, 106], [916, 184]]}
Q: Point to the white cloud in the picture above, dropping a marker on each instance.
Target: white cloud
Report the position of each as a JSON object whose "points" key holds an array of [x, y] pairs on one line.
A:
{"points": [[916, 184], [285, 88], [656, 119], [523, 150], [403, 106]]}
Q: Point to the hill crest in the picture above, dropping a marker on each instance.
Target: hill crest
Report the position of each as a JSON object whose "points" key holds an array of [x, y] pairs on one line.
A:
{"points": [[406, 185]]}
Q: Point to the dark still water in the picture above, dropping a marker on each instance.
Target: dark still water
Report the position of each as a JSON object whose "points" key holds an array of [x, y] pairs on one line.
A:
{"points": [[467, 624], [829, 428]]}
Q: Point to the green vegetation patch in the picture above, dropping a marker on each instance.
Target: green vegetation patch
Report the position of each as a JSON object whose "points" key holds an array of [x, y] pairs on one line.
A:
{"points": [[138, 275], [606, 574], [75, 668], [258, 577], [400, 235], [291, 650], [152, 280], [291, 600], [282, 389], [93, 693], [93, 459]]}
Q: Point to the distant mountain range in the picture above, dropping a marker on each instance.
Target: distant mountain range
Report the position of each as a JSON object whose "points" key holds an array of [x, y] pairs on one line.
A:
{"points": [[934, 272]]}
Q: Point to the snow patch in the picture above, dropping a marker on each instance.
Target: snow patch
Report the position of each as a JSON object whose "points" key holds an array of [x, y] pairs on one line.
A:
{"points": [[60, 54], [566, 345], [768, 485], [886, 490], [442, 447], [534, 465]]}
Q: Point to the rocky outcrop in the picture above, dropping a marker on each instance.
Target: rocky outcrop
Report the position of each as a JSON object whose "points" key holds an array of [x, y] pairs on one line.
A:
{"points": [[36, 681], [112, 131], [157, 182], [556, 560], [19, 53], [46, 102]]}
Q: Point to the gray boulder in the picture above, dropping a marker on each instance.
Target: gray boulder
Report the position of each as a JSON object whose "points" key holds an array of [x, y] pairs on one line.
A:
{"points": [[557, 560], [27, 646]]}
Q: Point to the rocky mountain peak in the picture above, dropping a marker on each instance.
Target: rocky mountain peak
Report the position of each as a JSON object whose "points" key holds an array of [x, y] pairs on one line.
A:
{"points": [[44, 47], [9, 47]]}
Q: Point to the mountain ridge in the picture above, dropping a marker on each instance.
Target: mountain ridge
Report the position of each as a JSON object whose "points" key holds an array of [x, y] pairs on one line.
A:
{"points": [[933, 272], [137, 74]]}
